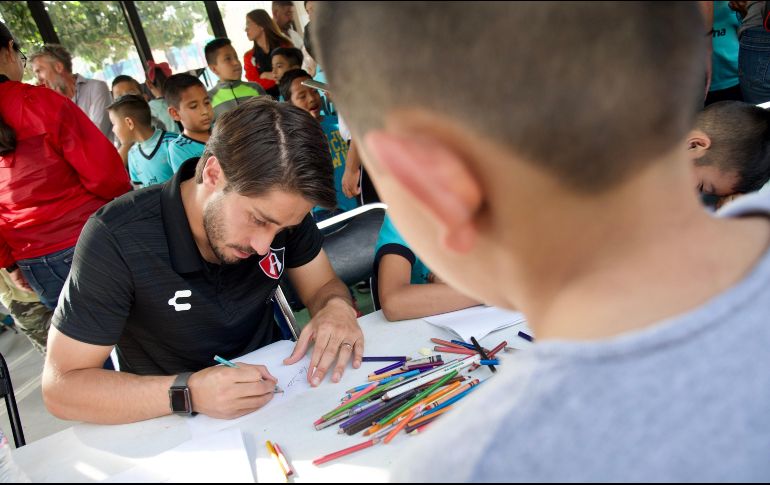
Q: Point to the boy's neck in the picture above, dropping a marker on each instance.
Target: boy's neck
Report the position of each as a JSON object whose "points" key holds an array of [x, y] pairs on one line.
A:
{"points": [[201, 136], [143, 133], [228, 80]]}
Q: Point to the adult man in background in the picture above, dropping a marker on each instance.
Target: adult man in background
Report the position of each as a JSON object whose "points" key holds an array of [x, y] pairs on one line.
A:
{"points": [[52, 66]]}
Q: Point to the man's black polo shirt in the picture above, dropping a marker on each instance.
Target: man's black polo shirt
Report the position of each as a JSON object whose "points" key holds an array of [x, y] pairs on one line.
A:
{"points": [[139, 281]]}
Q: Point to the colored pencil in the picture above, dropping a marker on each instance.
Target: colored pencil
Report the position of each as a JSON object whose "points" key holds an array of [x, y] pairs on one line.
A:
{"points": [[419, 427], [345, 452], [445, 343], [284, 461], [497, 349], [384, 359], [390, 367], [454, 350], [463, 344], [401, 425], [274, 454]]}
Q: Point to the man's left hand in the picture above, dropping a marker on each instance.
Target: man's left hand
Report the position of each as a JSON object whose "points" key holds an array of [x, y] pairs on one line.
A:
{"points": [[336, 334]]}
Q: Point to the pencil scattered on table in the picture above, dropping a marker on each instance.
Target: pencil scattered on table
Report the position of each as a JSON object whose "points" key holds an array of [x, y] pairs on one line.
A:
{"points": [[408, 395]]}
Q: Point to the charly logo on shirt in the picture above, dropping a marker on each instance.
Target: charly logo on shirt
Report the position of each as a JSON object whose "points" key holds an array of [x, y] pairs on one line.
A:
{"points": [[272, 263], [178, 306]]}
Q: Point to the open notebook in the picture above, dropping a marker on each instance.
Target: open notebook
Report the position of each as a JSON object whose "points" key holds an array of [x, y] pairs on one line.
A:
{"points": [[478, 321]]}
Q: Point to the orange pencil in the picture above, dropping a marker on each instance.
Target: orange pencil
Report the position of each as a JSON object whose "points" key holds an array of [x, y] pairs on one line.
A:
{"points": [[401, 425], [420, 420]]}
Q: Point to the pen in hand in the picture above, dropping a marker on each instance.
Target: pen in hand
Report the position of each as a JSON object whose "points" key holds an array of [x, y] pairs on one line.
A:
{"points": [[227, 363]]}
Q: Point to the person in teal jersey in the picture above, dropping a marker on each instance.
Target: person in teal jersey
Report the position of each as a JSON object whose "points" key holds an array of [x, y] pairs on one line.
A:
{"points": [[148, 162], [725, 83], [307, 98], [230, 91], [403, 286], [188, 103]]}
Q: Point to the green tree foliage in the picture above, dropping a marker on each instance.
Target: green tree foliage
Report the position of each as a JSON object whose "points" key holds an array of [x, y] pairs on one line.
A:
{"points": [[97, 31], [16, 16]]}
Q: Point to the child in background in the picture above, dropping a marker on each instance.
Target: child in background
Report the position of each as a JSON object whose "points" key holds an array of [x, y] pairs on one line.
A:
{"points": [[121, 86], [307, 98], [148, 160], [730, 147], [156, 78], [285, 59], [188, 103], [404, 287], [230, 91]]}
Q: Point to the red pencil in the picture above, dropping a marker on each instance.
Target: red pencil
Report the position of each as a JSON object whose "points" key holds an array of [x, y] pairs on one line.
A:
{"points": [[446, 343], [346, 451], [454, 350], [497, 349]]}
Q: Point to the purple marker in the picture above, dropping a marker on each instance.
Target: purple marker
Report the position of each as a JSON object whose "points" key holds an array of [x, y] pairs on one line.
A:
{"points": [[385, 359], [526, 337], [389, 368]]}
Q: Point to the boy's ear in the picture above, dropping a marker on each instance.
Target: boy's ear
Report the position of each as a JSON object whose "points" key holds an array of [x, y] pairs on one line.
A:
{"points": [[174, 113], [214, 69], [129, 123], [698, 143], [437, 176]]}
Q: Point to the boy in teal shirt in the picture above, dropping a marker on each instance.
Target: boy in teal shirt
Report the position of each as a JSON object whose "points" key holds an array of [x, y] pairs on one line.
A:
{"points": [[230, 91], [307, 98], [188, 103], [148, 161], [403, 286]]}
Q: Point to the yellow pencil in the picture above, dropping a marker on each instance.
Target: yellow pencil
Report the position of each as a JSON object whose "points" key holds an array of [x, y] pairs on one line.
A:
{"points": [[277, 459]]}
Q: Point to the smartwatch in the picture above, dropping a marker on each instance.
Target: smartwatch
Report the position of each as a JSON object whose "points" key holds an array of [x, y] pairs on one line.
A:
{"points": [[179, 396]]}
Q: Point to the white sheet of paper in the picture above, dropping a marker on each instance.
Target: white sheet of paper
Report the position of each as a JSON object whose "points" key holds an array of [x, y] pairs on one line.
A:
{"points": [[478, 321], [217, 458], [291, 378]]}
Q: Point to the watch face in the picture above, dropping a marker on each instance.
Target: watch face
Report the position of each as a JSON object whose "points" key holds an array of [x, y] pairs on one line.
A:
{"points": [[180, 400]]}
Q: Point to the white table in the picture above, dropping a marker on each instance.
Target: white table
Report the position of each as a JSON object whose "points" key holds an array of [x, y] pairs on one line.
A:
{"points": [[89, 452]]}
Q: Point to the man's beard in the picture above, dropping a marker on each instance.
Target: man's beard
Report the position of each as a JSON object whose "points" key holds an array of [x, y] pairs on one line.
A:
{"points": [[215, 233]]}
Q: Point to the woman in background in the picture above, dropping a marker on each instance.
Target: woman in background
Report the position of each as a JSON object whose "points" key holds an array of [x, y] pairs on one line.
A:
{"points": [[262, 30]]}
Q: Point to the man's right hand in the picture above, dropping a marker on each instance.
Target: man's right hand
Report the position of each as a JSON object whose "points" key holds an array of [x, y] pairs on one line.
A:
{"points": [[228, 392]]}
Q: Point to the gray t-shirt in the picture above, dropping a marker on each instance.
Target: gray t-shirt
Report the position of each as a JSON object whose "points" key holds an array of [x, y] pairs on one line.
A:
{"points": [[687, 399]]}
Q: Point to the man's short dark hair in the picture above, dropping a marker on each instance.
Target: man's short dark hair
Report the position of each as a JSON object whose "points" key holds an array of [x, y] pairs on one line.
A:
{"points": [[134, 107], [211, 49], [292, 54], [125, 79], [740, 142], [177, 84], [589, 103], [263, 145], [288, 77]]}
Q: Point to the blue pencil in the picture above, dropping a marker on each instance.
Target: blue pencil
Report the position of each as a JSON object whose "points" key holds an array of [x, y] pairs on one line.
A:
{"points": [[467, 346]]}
